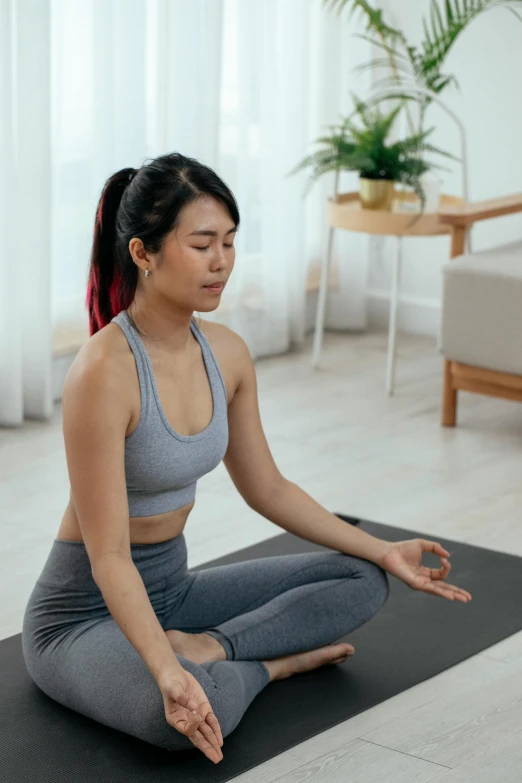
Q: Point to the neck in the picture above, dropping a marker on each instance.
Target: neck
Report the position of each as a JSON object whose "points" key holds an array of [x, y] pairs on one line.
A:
{"points": [[165, 328]]}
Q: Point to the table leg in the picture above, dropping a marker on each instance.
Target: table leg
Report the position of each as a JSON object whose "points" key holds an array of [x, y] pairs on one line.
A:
{"points": [[392, 328], [321, 301]]}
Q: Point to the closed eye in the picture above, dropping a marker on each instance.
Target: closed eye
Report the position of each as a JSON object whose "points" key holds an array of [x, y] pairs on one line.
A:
{"points": [[207, 247]]}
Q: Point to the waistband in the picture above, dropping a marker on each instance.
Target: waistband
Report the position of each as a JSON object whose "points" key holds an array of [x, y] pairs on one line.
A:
{"points": [[68, 563]]}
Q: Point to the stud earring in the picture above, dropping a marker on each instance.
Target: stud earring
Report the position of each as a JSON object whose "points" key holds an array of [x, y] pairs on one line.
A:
{"points": [[146, 273]]}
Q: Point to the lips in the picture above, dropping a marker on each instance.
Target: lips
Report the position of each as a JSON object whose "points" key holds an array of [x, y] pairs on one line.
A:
{"points": [[215, 286]]}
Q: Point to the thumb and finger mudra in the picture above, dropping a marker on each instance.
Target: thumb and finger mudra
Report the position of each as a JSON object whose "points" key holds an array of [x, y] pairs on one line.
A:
{"points": [[184, 714]]}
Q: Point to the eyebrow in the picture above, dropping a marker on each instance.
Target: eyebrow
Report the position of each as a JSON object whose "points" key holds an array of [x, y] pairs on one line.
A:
{"points": [[207, 233]]}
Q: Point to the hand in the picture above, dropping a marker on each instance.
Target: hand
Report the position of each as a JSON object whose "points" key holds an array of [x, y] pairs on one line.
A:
{"points": [[404, 560], [187, 709]]}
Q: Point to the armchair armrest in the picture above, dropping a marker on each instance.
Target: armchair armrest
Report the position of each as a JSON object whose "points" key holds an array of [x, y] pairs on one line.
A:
{"points": [[466, 214]]}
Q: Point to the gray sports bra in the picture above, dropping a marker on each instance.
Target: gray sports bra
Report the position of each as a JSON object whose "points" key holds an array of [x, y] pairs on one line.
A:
{"points": [[161, 466]]}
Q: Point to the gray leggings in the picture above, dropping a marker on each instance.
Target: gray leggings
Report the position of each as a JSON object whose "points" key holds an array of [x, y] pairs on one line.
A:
{"points": [[258, 609]]}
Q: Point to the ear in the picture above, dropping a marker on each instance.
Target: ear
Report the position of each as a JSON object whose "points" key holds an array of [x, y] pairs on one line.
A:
{"points": [[139, 254]]}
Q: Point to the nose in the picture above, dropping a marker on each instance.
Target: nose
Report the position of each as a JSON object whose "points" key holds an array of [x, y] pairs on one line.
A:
{"points": [[219, 260]]}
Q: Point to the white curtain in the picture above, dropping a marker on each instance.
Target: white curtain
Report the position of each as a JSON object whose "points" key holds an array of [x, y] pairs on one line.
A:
{"points": [[90, 87], [25, 269]]}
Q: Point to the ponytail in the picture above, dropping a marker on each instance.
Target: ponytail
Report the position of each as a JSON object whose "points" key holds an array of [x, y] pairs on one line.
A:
{"points": [[148, 209], [109, 289]]}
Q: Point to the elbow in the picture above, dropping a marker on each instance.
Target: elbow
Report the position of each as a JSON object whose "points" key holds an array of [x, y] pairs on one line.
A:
{"points": [[105, 563], [268, 496]]}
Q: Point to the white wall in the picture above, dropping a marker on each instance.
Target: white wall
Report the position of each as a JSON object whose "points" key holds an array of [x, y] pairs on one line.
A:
{"points": [[487, 61]]}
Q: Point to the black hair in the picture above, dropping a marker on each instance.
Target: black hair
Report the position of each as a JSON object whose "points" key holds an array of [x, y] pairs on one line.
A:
{"points": [[144, 203]]}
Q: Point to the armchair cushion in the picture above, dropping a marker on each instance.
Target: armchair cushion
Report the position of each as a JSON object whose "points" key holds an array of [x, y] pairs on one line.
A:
{"points": [[482, 309]]}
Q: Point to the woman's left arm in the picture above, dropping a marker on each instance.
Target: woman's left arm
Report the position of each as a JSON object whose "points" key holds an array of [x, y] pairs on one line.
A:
{"points": [[256, 476], [294, 510]]}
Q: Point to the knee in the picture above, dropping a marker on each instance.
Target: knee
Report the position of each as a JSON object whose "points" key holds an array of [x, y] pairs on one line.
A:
{"points": [[225, 696], [372, 582], [378, 585]]}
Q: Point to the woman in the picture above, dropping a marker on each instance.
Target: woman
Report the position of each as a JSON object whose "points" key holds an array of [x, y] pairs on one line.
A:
{"points": [[116, 627]]}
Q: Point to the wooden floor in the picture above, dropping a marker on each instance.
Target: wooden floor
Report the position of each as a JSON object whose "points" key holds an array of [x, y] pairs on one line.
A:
{"points": [[335, 433]]}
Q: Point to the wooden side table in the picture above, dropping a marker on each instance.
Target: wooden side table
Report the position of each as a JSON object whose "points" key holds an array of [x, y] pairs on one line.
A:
{"points": [[345, 212]]}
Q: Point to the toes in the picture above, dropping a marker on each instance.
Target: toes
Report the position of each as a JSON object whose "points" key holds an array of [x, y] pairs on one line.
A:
{"points": [[340, 660]]}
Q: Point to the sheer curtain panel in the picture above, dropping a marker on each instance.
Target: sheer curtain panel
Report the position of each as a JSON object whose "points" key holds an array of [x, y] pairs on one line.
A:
{"points": [[90, 87], [25, 291]]}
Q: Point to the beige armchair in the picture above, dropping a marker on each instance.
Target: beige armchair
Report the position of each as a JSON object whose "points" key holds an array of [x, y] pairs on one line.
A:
{"points": [[481, 332]]}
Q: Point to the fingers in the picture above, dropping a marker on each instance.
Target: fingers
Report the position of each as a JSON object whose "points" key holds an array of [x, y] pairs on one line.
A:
{"points": [[459, 592], [442, 572], [451, 592], [200, 734], [208, 726], [431, 575], [205, 710], [429, 587], [190, 713], [186, 700], [200, 742], [187, 723], [214, 724], [209, 734], [435, 547], [436, 573]]}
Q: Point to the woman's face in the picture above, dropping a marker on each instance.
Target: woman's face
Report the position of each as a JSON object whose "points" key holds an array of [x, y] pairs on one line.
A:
{"points": [[199, 253]]}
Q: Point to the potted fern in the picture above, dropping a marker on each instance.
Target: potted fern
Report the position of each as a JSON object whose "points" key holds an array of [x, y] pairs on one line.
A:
{"points": [[363, 148]]}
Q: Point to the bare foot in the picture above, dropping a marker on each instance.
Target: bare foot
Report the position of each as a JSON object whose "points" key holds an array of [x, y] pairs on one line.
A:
{"points": [[196, 647], [200, 647], [281, 668]]}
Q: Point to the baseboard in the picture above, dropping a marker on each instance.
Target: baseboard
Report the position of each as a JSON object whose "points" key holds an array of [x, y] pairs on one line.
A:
{"points": [[415, 315]]}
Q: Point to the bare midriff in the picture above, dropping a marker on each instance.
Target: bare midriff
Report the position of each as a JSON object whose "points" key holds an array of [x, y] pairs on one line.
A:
{"points": [[143, 530]]}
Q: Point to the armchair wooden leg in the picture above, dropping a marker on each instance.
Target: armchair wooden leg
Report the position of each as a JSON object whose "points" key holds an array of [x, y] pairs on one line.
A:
{"points": [[449, 399]]}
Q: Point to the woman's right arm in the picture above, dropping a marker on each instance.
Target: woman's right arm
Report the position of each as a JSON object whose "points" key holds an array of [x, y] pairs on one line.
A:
{"points": [[126, 597], [96, 413]]}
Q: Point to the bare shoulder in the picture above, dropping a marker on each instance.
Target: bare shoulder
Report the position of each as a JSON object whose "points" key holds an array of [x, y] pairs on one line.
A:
{"points": [[221, 336], [105, 358], [230, 350]]}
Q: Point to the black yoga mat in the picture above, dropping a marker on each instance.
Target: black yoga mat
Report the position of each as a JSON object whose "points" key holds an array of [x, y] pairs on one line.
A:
{"points": [[414, 637]]}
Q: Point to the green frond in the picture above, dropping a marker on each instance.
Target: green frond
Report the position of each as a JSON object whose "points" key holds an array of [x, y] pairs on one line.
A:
{"points": [[389, 119], [317, 160], [381, 62], [438, 81], [388, 82], [395, 96], [373, 16], [444, 23], [443, 27], [437, 151], [388, 48], [436, 20], [411, 144]]}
